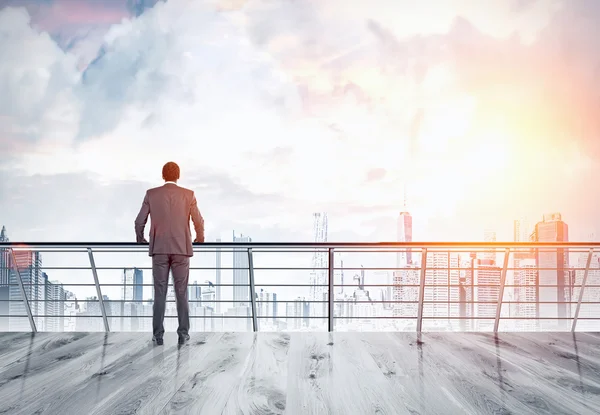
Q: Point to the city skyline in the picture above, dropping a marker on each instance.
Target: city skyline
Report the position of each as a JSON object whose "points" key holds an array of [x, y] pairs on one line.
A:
{"points": [[464, 271], [268, 128]]}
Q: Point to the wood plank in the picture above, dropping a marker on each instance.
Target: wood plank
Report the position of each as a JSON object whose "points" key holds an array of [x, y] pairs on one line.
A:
{"points": [[15, 346], [512, 381], [573, 352], [56, 375], [263, 385], [309, 374], [468, 378], [140, 380], [358, 384], [400, 359], [43, 354], [212, 377], [566, 389]]}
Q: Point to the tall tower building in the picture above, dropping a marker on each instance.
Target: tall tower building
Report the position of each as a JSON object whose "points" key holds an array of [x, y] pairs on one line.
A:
{"points": [[318, 276], [443, 277], [405, 233], [5, 259], [4, 281], [489, 254], [486, 291], [241, 282], [553, 265], [526, 286], [133, 285], [521, 230], [521, 233], [29, 264], [55, 305]]}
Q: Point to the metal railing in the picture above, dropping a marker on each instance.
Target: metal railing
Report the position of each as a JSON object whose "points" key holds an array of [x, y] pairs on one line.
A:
{"points": [[428, 250]]}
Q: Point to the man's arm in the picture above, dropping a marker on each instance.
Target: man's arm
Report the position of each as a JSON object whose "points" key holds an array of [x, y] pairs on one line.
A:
{"points": [[140, 221], [198, 220]]}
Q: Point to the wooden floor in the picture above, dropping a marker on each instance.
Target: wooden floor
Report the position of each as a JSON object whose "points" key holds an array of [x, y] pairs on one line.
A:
{"points": [[300, 373]]}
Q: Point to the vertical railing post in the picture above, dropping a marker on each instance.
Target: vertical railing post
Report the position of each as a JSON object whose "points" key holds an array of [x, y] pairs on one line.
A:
{"points": [[583, 282], [252, 290], [330, 293], [422, 290], [98, 290], [501, 289], [23, 293]]}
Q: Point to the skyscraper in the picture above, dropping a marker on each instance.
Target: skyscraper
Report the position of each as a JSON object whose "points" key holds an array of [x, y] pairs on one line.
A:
{"points": [[4, 281], [5, 260], [402, 295], [29, 264], [521, 230], [133, 285], [553, 265], [442, 277], [490, 253], [241, 282], [526, 286], [486, 285], [55, 305], [405, 233]]}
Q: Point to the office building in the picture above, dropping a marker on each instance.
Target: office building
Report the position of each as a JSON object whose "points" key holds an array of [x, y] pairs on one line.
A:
{"points": [[133, 285], [489, 254], [526, 292], [29, 264], [241, 281], [553, 274], [442, 293], [405, 233]]}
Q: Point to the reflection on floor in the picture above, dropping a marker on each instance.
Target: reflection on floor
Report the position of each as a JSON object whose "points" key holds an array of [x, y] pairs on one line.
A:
{"points": [[300, 373]]}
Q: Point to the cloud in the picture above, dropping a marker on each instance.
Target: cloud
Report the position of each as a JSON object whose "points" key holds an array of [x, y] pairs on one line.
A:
{"points": [[76, 207], [36, 81], [137, 7], [292, 105]]}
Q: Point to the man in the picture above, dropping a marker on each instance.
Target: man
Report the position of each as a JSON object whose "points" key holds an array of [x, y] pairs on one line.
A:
{"points": [[170, 208]]}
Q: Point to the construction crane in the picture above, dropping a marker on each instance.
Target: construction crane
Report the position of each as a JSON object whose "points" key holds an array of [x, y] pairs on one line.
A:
{"points": [[318, 277]]}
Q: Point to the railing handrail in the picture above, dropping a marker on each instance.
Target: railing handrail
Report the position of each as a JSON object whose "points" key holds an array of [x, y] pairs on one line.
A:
{"points": [[312, 245], [331, 247]]}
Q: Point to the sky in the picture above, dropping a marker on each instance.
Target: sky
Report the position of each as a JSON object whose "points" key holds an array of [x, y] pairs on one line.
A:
{"points": [[485, 111]]}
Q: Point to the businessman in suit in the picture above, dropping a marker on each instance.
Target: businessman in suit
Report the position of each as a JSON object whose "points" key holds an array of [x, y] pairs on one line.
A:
{"points": [[170, 208]]}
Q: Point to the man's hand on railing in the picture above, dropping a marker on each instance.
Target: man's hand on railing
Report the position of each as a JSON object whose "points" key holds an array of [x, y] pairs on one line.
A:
{"points": [[143, 241], [199, 240]]}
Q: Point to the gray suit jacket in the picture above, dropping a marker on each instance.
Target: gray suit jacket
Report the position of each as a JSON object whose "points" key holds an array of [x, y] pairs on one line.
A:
{"points": [[170, 208]]}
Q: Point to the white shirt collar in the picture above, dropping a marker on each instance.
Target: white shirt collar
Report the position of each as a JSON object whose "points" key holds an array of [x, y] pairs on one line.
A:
{"points": [[171, 183]]}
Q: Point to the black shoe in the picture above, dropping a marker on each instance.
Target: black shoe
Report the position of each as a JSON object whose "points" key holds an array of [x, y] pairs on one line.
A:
{"points": [[158, 340], [183, 338]]}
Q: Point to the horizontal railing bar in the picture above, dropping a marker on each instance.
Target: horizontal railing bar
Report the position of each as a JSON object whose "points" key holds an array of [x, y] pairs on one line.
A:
{"points": [[307, 245], [308, 269], [315, 317], [81, 316], [318, 285], [349, 301]]}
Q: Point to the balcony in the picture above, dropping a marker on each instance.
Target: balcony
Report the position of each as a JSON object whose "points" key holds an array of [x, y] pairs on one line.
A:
{"points": [[331, 328]]}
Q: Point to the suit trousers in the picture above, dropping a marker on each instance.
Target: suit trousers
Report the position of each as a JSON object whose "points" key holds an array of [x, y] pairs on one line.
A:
{"points": [[179, 265]]}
